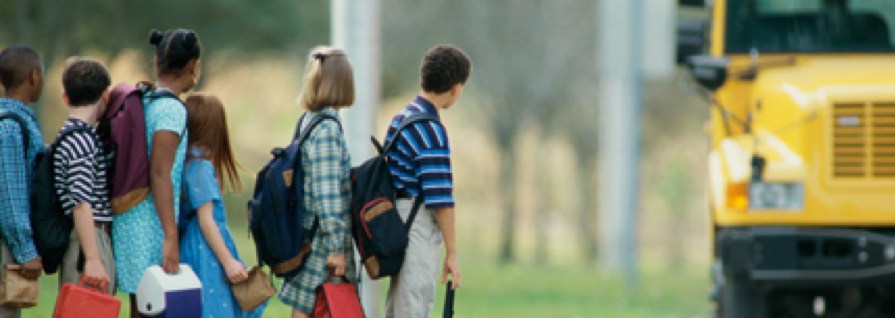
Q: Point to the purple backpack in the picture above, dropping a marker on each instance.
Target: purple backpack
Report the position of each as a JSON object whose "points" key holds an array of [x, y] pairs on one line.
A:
{"points": [[123, 131]]}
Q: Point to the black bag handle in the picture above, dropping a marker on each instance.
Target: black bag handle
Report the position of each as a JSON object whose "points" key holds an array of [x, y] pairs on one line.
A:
{"points": [[26, 135], [448, 301]]}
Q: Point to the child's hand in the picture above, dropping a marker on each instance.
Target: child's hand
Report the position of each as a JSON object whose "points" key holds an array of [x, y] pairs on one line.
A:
{"points": [[337, 264], [236, 272], [95, 274], [452, 268], [171, 255], [32, 269]]}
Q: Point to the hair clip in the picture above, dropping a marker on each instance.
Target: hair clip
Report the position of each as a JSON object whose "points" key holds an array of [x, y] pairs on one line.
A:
{"points": [[320, 56]]}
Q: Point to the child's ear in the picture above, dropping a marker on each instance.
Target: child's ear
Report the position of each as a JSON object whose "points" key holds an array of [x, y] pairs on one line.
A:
{"points": [[65, 98], [456, 89], [197, 69], [36, 77]]}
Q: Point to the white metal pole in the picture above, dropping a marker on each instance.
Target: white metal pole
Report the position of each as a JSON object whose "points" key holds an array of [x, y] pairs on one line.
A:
{"points": [[356, 29], [619, 140]]}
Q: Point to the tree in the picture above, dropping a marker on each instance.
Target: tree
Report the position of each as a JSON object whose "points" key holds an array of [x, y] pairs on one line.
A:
{"points": [[528, 56], [572, 116], [580, 130]]}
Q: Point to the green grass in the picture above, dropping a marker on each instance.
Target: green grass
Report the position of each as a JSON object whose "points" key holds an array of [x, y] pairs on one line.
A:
{"points": [[521, 290], [534, 291], [527, 291]]}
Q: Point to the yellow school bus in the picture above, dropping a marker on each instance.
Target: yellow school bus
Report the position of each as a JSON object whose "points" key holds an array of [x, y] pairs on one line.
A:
{"points": [[801, 169]]}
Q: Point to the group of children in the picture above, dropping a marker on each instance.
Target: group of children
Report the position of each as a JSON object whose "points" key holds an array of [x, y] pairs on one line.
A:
{"points": [[190, 160]]}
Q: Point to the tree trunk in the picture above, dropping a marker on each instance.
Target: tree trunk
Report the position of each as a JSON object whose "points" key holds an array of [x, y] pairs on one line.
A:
{"points": [[587, 210], [507, 192]]}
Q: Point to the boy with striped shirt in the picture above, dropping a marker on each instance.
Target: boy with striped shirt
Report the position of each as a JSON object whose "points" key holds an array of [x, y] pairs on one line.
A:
{"points": [[420, 164], [81, 176]]}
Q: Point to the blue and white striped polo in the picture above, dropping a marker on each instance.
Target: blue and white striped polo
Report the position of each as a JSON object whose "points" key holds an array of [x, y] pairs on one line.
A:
{"points": [[422, 156]]}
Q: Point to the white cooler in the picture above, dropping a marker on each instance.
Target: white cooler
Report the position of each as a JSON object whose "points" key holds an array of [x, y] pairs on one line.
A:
{"points": [[169, 296]]}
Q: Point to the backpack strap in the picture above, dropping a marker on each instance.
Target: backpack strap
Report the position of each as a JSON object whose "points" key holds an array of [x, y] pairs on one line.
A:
{"points": [[159, 93], [301, 135], [26, 136], [417, 203], [297, 131], [66, 132], [406, 122], [152, 93]]}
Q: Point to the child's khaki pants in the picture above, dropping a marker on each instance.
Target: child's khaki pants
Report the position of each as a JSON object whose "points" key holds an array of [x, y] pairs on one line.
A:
{"points": [[411, 293]]}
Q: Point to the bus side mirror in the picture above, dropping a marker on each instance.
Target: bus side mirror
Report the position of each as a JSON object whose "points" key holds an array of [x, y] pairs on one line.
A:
{"points": [[690, 39], [709, 71]]}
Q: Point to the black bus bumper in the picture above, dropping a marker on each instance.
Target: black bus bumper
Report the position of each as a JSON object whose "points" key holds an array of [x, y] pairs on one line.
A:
{"points": [[807, 256]]}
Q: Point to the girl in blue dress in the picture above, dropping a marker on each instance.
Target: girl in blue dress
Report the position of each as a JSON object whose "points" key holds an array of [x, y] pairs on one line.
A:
{"points": [[206, 243]]}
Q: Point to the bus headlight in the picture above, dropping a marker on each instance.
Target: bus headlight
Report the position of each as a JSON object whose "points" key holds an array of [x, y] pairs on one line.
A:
{"points": [[776, 196]]}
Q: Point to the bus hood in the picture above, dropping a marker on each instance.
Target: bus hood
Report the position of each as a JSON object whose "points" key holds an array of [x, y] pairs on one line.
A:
{"points": [[819, 76]]}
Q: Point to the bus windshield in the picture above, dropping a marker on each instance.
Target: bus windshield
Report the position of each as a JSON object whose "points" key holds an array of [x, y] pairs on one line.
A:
{"points": [[810, 26]]}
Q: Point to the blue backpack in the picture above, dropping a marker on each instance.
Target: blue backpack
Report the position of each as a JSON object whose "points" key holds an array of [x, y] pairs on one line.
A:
{"points": [[277, 209]]}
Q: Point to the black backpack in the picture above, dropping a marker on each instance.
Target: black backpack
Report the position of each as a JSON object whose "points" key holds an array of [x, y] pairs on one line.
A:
{"points": [[277, 208], [50, 226], [380, 234]]}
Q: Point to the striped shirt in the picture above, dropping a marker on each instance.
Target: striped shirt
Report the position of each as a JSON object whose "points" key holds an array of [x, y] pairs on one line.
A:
{"points": [[421, 157], [81, 171]]}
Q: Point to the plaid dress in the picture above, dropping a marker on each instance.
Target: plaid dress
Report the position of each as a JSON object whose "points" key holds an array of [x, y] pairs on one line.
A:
{"points": [[327, 168]]}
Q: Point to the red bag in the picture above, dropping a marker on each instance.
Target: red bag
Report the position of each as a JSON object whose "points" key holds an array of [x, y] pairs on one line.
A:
{"points": [[338, 300], [79, 301]]}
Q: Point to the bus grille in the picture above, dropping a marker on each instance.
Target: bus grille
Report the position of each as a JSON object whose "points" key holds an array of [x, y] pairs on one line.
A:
{"points": [[864, 140]]}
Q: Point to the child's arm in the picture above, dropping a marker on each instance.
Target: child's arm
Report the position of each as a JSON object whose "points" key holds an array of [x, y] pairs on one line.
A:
{"points": [[236, 272], [326, 148], [94, 271], [79, 182], [14, 205], [164, 147], [444, 219]]}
